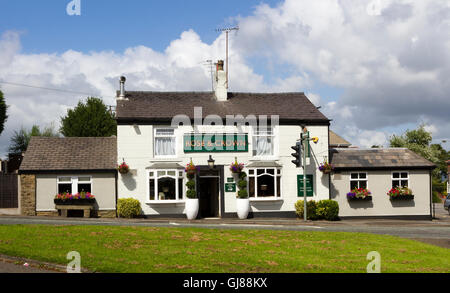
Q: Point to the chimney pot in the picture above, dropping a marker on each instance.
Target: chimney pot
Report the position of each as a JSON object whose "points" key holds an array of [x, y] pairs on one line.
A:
{"points": [[221, 91], [122, 88]]}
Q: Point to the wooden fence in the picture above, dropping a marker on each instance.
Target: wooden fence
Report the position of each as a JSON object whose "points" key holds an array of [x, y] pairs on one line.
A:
{"points": [[8, 191]]}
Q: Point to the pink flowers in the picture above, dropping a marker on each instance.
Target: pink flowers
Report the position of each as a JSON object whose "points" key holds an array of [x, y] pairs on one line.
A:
{"points": [[80, 195], [123, 168]]}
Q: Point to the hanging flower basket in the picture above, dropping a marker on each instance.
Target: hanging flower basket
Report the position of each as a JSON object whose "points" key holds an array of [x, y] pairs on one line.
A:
{"points": [[236, 167], [400, 193], [359, 194], [123, 168], [191, 170], [326, 168]]}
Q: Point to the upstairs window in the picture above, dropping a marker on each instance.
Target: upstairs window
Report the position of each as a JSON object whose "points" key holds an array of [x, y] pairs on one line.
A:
{"points": [[358, 180], [400, 179], [165, 142], [263, 141]]}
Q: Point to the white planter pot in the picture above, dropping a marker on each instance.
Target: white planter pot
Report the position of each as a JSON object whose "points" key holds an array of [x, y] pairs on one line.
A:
{"points": [[191, 208], [243, 207]]}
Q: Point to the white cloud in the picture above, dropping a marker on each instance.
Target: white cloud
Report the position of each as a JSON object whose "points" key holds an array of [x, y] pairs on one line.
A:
{"points": [[391, 65]]}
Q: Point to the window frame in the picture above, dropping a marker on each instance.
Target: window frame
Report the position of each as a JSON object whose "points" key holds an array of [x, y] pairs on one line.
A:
{"points": [[400, 179], [274, 136], [179, 174], [74, 182], [275, 176], [155, 136], [359, 179]]}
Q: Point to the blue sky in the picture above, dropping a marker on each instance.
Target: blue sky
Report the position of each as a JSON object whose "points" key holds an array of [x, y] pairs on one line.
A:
{"points": [[116, 25], [376, 67]]}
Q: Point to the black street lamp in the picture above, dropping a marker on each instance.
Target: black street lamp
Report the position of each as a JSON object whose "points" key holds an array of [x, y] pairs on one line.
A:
{"points": [[211, 162]]}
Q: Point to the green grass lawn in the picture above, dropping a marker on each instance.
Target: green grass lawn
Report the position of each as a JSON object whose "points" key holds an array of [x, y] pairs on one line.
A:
{"points": [[186, 250]]}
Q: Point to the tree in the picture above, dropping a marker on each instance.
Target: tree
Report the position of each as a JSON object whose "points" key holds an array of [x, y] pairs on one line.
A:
{"points": [[3, 116], [21, 138], [91, 119], [419, 141]]}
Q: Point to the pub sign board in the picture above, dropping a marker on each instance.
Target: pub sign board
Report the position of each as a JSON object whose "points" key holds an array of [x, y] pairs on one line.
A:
{"points": [[215, 142]]}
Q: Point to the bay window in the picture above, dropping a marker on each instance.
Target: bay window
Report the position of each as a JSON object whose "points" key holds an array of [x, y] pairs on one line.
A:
{"points": [[165, 185], [264, 182]]}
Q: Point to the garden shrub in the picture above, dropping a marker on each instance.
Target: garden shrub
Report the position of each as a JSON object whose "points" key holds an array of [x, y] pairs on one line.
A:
{"points": [[311, 206], [328, 210], [128, 208], [323, 209], [436, 198]]}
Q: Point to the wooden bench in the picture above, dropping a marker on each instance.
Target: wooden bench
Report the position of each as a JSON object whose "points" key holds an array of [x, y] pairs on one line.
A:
{"points": [[85, 208]]}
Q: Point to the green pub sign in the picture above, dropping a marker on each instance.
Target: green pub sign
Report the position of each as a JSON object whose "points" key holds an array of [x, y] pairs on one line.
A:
{"points": [[230, 187], [217, 142], [309, 185]]}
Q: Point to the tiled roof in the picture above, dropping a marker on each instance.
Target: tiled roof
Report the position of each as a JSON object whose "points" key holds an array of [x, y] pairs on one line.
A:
{"points": [[165, 105], [70, 153], [338, 141], [345, 158]]}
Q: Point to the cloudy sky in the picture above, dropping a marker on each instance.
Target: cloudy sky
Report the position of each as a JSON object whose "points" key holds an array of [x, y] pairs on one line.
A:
{"points": [[376, 67]]}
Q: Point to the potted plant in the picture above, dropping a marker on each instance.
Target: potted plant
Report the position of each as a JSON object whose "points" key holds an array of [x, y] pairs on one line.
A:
{"points": [[81, 198], [400, 193], [242, 201], [359, 194], [192, 204], [326, 168], [123, 168]]}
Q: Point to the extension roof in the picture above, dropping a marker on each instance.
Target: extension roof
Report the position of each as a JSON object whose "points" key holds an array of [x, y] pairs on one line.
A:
{"points": [[378, 158], [70, 153]]}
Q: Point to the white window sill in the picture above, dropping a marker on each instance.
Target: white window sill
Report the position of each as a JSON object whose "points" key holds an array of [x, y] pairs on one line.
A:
{"points": [[256, 159], [163, 202], [267, 199]]}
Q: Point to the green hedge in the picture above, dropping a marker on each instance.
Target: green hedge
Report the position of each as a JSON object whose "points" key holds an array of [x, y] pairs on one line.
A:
{"points": [[323, 209], [128, 208]]}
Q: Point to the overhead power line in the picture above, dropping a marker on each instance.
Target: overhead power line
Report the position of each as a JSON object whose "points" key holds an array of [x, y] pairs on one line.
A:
{"points": [[46, 88]]}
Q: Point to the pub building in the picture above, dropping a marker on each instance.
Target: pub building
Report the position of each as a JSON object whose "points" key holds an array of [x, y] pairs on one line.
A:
{"points": [[159, 133], [157, 149]]}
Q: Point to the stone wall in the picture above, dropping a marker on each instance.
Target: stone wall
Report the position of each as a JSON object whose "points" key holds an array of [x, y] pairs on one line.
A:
{"points": [[28, 194], [106, 214]]}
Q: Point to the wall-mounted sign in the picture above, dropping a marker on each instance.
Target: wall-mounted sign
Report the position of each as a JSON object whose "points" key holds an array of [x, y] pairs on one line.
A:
{"points": [[230, 179], [218, 142], [309, 185], [230, 187]]}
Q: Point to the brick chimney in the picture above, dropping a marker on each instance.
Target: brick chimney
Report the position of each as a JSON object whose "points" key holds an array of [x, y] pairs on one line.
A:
{"points": [[220, 82]]}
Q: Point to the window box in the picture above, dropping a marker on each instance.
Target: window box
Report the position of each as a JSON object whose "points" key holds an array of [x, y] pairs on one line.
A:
{"points": [[85, 201], [359, 194], [402, 197]]}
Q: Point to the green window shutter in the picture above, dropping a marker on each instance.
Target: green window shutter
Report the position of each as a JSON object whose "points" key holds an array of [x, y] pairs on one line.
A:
{"points": [[309, 185]]}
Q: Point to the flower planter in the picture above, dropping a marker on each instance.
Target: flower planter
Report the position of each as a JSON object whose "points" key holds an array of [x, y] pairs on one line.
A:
{"points": [[402, 197], [242, 207], [124, 171], [85, 201], [192, 207], [367, 198]]}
